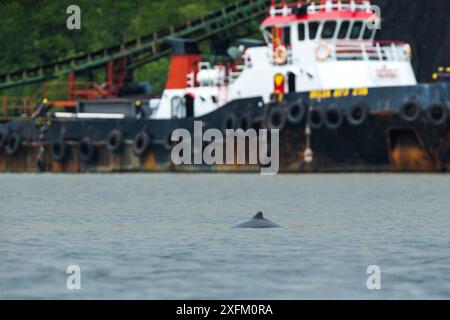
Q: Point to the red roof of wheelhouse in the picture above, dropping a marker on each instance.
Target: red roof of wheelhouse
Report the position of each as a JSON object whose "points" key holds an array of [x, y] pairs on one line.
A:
{"points": [[331, 15]]}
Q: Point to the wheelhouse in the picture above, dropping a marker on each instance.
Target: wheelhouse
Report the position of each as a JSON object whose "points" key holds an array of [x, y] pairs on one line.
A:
{"points": [[330, 21], [317, 30], [340, 30]]}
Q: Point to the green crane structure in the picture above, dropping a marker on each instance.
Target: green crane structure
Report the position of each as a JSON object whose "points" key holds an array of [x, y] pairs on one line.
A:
{"points": [[143, 49]]}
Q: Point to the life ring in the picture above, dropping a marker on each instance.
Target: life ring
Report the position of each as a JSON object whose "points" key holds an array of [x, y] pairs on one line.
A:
{"points": [[276, 118], [86, 150], [141, 143], [13, 144], [410, 111], [59, 150], [333, 118], [296, 111], [114, 142], [229, 123], [315, 118], [245, 122], [323, 51], [280, 55], [357, 114], [437, 114], [4, 135]]}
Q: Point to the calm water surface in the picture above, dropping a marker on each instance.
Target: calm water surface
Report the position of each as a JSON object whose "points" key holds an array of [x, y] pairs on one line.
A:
{"points": [[168, 236]]}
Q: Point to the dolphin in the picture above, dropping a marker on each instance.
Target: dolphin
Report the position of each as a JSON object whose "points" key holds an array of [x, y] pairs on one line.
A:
{"points": [[257, 221]]}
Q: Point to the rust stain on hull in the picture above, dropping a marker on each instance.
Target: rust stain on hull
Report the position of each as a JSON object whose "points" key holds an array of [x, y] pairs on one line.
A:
{"points": [[407, 152]]}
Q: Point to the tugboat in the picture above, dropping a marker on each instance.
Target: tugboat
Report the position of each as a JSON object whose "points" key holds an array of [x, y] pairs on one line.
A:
{"points": [[342, 102]]}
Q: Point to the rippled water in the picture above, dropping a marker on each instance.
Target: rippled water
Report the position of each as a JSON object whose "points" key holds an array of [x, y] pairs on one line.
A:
{"points": [[158, 236]]}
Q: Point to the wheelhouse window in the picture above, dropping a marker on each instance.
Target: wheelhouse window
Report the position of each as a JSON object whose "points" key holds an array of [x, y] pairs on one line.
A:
{"points": [[356, 30], [313, 28], [267, 33], [301, 32], [287, 36], [343, 29], [329, 29], [367, 33]]}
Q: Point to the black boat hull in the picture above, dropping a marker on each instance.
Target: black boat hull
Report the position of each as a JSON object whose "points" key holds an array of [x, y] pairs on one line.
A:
{"points": [[386, 141]]}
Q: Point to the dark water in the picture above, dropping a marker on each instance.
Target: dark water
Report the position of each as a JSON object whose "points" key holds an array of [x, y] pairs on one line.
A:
{"points": [[168, 236]]}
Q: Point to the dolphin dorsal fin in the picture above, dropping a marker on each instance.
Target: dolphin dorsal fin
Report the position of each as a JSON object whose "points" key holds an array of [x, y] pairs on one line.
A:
{"points": [[259, 215]]}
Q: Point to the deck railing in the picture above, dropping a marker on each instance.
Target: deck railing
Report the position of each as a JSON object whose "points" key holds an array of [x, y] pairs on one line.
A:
{"points": [[16, 107], [75, 90], [378, 51], [284, 8]]}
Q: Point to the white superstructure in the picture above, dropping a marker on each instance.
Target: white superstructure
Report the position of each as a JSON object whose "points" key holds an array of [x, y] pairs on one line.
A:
{"points": [[308, 46]]}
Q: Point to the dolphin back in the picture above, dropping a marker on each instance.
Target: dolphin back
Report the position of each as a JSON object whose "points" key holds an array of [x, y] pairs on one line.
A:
{"points": [[257, 222]]}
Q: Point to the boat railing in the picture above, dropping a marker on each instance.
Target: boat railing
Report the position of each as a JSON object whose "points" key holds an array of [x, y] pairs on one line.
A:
{"points": [[235, 74], [283, 8], [75, 90], [377, 51], [16, 107]]}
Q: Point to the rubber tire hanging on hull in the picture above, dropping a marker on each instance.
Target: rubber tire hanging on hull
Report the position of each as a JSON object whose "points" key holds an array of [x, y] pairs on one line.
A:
{"points": [[276, 118], [86, 150], [13, 144], [315, 118], [114, 142], [437, 109], [357, 114], [141, 143], [296, 112], [333, 118], [59, 150], [410, 111], [245, 122]]}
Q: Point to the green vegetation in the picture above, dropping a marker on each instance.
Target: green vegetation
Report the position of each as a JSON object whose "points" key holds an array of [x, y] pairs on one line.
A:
{"points": [[34, 32]]}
